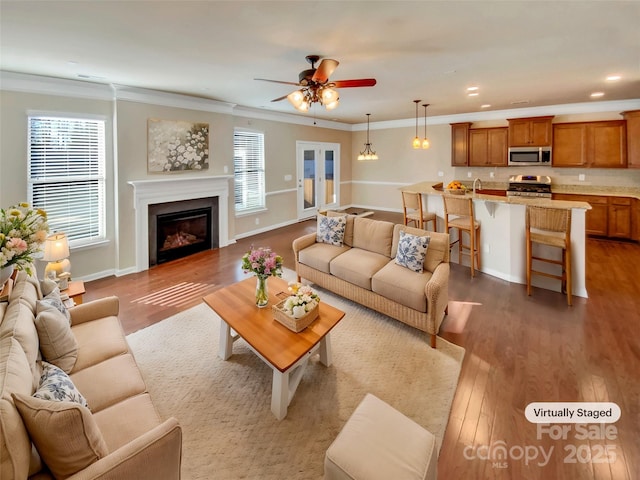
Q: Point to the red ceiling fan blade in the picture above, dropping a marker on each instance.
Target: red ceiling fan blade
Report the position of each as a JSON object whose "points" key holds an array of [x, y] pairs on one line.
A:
{"points": [[324, 70], [280, 98], [361, 82], [277, 81]]}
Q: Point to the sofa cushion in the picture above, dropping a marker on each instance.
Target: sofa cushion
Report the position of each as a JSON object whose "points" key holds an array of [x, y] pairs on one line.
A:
{"points": [[319, 255], [358, 266], [98, 340], [402, 285], [373, 235], [127, 420], [64, 433], [411, 251], [437, 252], [330, 230], [57, 343], [15, 377], [26, 289], [109, 382], [55, 385]]}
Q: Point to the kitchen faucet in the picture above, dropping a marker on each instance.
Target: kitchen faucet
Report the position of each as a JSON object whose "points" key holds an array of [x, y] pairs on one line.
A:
{"points": [[479, 185]]}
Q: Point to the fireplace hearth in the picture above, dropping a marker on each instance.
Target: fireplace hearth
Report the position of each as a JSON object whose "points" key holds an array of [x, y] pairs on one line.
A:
{"points": [[182, 228]]}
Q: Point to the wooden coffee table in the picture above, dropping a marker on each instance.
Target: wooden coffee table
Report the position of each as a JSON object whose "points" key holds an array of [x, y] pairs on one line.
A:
{"points": [[286, 352]]}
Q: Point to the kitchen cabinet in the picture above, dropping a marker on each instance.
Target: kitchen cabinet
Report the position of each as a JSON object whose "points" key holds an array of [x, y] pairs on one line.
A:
{"points": [[460, 144], [635, 220], [619, 217], [633, 138], [590, 144], [612, 217], [488, 147], [533, 131]]}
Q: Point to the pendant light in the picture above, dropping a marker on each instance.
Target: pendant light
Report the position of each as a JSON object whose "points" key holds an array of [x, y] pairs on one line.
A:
{"points": [[416, 141], [425, 142], [367, 153]]}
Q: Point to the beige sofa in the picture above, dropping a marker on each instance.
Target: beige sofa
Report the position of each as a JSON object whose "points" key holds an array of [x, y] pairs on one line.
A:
{"points": [[364, 270], [120, 436]]}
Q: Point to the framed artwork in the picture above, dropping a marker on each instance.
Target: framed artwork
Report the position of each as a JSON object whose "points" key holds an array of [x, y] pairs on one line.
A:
{"points": [[176, 146]]}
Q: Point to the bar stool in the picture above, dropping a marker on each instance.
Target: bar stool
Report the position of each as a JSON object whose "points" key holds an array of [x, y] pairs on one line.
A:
{"points": [[463, 219], [412, 207], [552, 227]]}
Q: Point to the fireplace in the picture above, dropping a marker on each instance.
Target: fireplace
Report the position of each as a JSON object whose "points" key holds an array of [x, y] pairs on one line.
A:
{"points": [[182, 228]]}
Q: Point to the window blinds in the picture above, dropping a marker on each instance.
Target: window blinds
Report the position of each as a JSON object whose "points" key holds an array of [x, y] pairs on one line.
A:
{"points": [[67, 174], [248, 160]]}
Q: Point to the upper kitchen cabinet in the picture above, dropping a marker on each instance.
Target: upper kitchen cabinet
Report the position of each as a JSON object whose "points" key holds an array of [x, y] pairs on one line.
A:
{"points": [[590, 144], [533, 131], [633, 138], [488, 147], [460, 144]]}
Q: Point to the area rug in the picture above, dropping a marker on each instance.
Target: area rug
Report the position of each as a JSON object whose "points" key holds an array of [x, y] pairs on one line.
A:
{"points": [[224, 407]]}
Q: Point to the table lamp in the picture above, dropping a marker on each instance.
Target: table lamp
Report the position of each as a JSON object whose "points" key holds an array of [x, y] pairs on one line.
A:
{"points": [[56, 252]]}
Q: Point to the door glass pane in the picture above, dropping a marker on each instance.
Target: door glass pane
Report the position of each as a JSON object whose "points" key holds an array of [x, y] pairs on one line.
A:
{"points": [[329, 188], [309, 178]]}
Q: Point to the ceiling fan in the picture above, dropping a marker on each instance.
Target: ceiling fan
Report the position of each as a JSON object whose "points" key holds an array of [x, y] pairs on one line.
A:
{"points": [[316, 86]]}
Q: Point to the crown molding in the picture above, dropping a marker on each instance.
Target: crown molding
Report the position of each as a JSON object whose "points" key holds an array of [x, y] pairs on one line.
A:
{"points": [[167, 99], [256, 113], [27, 83]]}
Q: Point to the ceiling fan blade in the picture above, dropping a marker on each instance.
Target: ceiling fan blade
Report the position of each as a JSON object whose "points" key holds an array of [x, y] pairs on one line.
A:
{"points": [[280, 98], [324, 70], [277, 81], [361, 82]]}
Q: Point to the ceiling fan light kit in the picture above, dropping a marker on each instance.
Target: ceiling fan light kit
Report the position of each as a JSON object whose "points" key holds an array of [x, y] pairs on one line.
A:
{"points": [[316, 87], [367, 153]]}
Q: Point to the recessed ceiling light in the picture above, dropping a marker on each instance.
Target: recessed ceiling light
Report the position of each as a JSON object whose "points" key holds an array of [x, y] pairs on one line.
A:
{"points": [[486, 105], [472, 89], [597, 94], [474, 94], [613, 78]]}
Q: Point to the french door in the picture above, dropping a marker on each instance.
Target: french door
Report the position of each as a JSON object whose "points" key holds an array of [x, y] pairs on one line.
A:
{"points": [[318, 172]]}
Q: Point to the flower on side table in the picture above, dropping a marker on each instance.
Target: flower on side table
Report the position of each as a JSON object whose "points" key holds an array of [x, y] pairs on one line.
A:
{"points": [[22, 232], [302, 300]]}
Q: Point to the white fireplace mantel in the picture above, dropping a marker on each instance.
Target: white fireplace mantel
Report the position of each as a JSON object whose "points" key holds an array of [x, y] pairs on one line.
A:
{"points": [[149, 192]]}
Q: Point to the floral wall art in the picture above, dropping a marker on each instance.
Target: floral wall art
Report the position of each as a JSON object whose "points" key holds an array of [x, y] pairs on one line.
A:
{"points": [[175, 146]]}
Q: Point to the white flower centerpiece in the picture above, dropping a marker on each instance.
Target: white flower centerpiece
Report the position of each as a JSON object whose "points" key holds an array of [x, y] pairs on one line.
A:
{"points": [[299, 309]]}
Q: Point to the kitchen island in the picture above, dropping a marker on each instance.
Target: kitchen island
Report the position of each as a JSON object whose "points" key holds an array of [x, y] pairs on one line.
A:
{"points": [[502, 238]]}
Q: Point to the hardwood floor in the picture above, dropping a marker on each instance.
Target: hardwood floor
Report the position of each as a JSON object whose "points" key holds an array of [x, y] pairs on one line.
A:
{"points": [[519, 349]]}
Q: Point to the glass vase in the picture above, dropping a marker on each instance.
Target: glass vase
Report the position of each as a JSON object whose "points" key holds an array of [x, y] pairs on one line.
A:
{"points": [[262, 291]]}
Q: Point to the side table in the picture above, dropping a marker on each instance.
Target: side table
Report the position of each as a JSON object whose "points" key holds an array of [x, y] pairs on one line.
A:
{"points": [[75, 291]]}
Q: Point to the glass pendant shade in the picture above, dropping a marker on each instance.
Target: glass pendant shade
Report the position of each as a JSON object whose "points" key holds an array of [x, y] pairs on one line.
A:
{"points": [[296, 98], [425, 144], [416, 142]]}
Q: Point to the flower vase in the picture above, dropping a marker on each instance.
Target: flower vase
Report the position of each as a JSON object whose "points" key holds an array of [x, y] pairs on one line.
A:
{"points": [[262, 291], [5, 273]]}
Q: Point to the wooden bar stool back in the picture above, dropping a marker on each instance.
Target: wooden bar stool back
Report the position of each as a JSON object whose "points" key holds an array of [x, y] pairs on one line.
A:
{"points": [[552, 227], [413, 212], [459, 214]]}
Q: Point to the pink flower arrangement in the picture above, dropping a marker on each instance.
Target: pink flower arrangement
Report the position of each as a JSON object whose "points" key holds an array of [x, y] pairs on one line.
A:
{"points": [[262, 262], [22, 231]]}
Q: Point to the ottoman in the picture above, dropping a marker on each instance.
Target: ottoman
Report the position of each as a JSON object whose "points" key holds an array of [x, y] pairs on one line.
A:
{"points": [[380, 443]]}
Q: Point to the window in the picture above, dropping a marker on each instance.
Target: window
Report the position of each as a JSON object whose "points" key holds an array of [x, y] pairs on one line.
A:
{"points": [[67, 175], [248, 164]]}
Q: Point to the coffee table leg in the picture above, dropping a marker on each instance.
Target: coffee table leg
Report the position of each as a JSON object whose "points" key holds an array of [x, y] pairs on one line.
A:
{"points": [[225, 347], [325, 350], [280, 394]]}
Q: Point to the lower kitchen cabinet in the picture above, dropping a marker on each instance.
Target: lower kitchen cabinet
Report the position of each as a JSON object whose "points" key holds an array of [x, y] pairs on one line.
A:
{"points": [[612, 217], [620, 217]]}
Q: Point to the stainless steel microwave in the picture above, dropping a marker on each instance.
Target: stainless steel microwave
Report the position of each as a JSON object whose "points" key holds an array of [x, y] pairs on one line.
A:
{"points": [[530, 156]]}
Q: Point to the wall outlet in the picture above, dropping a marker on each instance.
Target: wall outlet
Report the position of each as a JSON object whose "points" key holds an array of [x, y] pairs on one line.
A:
{"points": [[581, 177], [492, 174], [257, 221], [226, 169], [287, 178], [441, 174], [468, 174]]}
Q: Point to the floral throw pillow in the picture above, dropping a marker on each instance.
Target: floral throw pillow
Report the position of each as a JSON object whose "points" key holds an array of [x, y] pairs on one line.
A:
{"points": [[55, 385], [331, 230], [411, 251]]}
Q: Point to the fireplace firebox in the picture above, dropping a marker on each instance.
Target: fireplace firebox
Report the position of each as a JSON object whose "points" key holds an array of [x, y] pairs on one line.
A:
{"points": [[179, 229]]}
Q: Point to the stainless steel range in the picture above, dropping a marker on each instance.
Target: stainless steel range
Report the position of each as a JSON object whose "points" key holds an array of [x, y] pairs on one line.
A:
{"points": [[529, 186]]}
